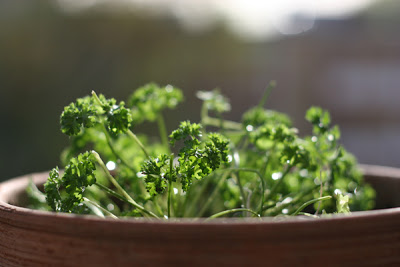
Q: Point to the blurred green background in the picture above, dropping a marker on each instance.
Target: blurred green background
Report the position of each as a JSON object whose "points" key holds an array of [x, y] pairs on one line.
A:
{"points": [[52, 52]]}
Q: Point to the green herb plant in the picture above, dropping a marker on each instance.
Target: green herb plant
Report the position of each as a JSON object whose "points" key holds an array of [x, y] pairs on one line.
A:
{"points": [[215, 168]]}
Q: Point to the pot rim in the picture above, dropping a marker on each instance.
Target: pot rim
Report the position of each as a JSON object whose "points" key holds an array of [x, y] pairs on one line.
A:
{"points": [[19, 183]]}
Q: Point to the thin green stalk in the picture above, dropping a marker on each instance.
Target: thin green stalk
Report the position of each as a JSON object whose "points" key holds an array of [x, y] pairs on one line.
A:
{"points": [[163, 130], [100, 208], [132, 135], [169, 199], [97, 98], [198, 193], [226, 212], [243, 142], [119, 188], [116, 154], [120, 197], [183, 204], [267, 92], [179, 206], [262, 184], [158, 208], [229, 125], [242, 194], [309, 203], [278, 183], [211, 198], [320, 191], [273, 209], [108, 139], [171, 163], [217, 122], [111, 192], [129, 132]]}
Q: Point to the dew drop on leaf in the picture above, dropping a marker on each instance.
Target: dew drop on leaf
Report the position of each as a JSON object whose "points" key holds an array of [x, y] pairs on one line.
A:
{"points": [[249, 128], [276, 175], [287, 200], [338, 192], [111, 165]]}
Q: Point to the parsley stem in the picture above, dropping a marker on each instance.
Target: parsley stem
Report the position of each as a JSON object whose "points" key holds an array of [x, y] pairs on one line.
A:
{"points": [[275, 187], [211, 198], [120, 197], [111, 192], [100, 208], [217, 122], [97, 98], [312, 201], [131, 134], [198, 193], [111, 146], [226, 212], [276, 208], [262, 184], [108, 139], [267, 92], [171, 162], [119, 188], [229, 125], [163, 130], [242, 194]]}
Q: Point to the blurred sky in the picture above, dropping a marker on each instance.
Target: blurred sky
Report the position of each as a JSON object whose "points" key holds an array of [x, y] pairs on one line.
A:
{"points": [[341, 55], [252, 20]]}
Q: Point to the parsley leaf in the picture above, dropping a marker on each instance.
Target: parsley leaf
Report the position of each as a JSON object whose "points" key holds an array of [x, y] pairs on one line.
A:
{"points": [[148, 101], [78, 115], [78, 175]]}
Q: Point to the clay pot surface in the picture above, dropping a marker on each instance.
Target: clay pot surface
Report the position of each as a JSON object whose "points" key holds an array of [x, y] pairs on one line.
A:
{"points": [[36, 238]]}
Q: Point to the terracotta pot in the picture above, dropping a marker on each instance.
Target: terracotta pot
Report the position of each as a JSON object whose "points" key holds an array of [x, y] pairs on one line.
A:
{"points": [[35, 238]]}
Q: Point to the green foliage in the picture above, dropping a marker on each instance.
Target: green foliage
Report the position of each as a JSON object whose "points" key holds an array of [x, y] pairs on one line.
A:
{"points": [[157, 171], [342, 203], [259, 167], [215, 101], [52, 190], [257, 117], [78, 175], [185, 130], [87, 112], [319, 118], [148, 101], [78, 115], [118, 118], [196, 159]]}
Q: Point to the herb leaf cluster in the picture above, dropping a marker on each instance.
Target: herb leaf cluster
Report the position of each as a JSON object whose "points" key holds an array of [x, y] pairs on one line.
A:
{"points": [[217, 167]]}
